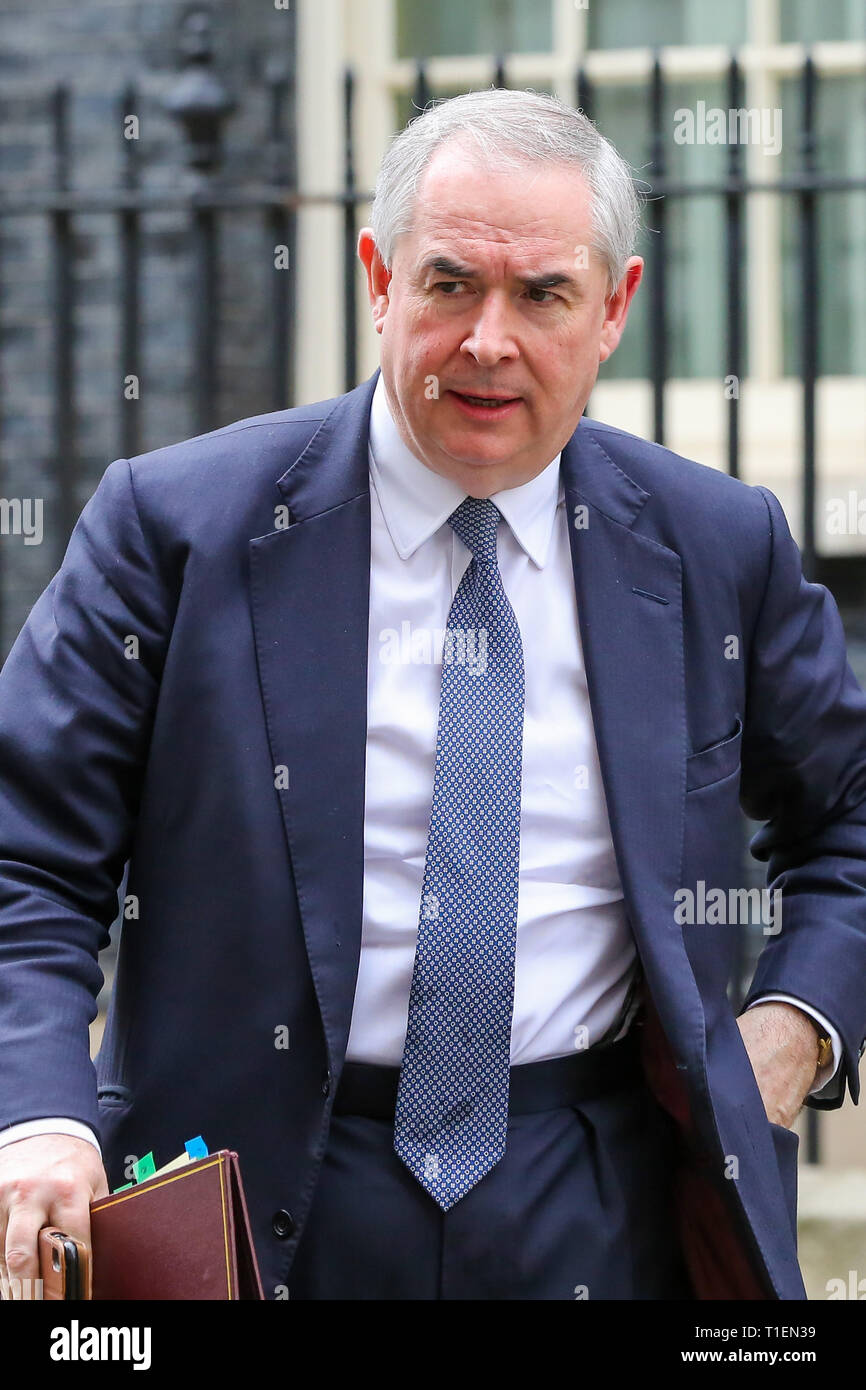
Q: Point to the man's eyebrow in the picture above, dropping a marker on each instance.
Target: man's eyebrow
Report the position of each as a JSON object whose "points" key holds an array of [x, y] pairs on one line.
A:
{"points": [[443, 266]]}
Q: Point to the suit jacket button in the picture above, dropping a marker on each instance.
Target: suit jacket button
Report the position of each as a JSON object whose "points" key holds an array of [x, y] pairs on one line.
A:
{"points": [[326, 1085], [283, 1223]]}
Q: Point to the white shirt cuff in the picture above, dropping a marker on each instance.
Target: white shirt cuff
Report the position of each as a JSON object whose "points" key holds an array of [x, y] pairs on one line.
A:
{"points": [[826, 1073], [29, 1129]]}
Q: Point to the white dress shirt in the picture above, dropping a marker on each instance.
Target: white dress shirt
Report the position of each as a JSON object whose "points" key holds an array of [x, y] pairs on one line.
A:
{"points": [[575, 953]]}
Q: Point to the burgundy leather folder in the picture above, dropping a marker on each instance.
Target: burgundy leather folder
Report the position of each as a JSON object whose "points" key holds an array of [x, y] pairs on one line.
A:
{"points": [[179, 1235]]}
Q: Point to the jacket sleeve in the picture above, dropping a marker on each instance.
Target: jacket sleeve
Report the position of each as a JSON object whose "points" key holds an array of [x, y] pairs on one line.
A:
{"points": [[804, 774], [77, 697]]}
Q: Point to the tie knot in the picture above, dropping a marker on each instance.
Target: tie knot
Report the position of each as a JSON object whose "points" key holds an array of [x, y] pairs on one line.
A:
{"points": [[475, 522]]}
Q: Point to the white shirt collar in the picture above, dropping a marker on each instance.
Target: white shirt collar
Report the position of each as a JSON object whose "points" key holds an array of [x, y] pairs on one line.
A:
{"points": [[416, 501]]}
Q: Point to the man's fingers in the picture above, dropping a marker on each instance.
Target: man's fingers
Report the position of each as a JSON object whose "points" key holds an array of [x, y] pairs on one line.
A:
{"points": [[20, 1256], [50, 1181], [71, 1215], [19, 1268]]}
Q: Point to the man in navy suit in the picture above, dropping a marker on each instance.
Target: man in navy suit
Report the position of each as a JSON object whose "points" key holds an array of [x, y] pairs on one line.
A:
{"points": [[248, 681]]}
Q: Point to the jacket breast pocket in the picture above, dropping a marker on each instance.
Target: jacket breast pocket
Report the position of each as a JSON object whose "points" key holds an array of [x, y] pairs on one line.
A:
{"points": [[716, 762]]}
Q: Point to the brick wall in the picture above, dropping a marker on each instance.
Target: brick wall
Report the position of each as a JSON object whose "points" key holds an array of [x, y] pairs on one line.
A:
{"points": [[97, 48]]}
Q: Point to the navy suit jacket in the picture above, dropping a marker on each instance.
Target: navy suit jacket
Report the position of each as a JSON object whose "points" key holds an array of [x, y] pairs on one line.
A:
{"points": [[188, 695]]}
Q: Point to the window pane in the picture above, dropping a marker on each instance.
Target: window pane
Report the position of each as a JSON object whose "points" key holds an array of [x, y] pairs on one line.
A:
{"points": [[636, 24], [621, 116], [802, 21], [462, 27], [694, 232], [841, 148]]}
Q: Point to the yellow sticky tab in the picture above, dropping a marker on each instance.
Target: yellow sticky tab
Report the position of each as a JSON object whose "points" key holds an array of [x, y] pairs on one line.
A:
{"points": [[180, 1162]]}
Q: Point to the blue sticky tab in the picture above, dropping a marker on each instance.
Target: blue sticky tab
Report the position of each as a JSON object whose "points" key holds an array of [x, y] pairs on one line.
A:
{"points": [[196, 1148]]}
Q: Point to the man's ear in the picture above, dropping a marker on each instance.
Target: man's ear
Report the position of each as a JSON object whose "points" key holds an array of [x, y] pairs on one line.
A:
{"points": [[378, 277], [616, 307]]}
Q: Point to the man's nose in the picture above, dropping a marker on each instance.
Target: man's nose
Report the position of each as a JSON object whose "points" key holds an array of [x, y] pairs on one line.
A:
{"points": [[491, 337]]}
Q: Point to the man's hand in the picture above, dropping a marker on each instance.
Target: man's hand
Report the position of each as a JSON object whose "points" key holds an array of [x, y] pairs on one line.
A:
{"points": [[782, 1044], [48, 1180]]}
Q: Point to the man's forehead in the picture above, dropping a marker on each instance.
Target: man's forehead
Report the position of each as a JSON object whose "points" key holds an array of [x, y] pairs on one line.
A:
{"points": [[503, 234], [453, 169], [492, 220]]}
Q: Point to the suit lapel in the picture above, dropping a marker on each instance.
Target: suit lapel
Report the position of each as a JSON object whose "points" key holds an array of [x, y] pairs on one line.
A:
{"points": [[310, 602], [630, 613]]}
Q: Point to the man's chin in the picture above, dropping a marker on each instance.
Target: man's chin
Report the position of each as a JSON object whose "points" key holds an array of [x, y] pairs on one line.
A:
{"points": [[467, 450]]}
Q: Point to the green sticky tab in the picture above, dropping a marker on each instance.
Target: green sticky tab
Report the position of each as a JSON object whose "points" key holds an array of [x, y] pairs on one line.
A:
{"points": [[144, 1168], [123, 1189]]}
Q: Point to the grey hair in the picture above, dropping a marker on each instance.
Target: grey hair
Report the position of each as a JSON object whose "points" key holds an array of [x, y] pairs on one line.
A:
{"points": [[512, 128]]}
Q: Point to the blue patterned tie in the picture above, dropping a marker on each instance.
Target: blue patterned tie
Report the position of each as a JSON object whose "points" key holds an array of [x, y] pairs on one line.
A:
{"points": [[452, 1104]]}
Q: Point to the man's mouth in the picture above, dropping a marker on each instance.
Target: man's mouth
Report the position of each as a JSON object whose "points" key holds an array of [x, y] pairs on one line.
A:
{"points": [[491, 403]]}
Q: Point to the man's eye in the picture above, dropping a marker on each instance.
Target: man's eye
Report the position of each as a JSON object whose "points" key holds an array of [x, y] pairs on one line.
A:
{"points": [[447, 285]]}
